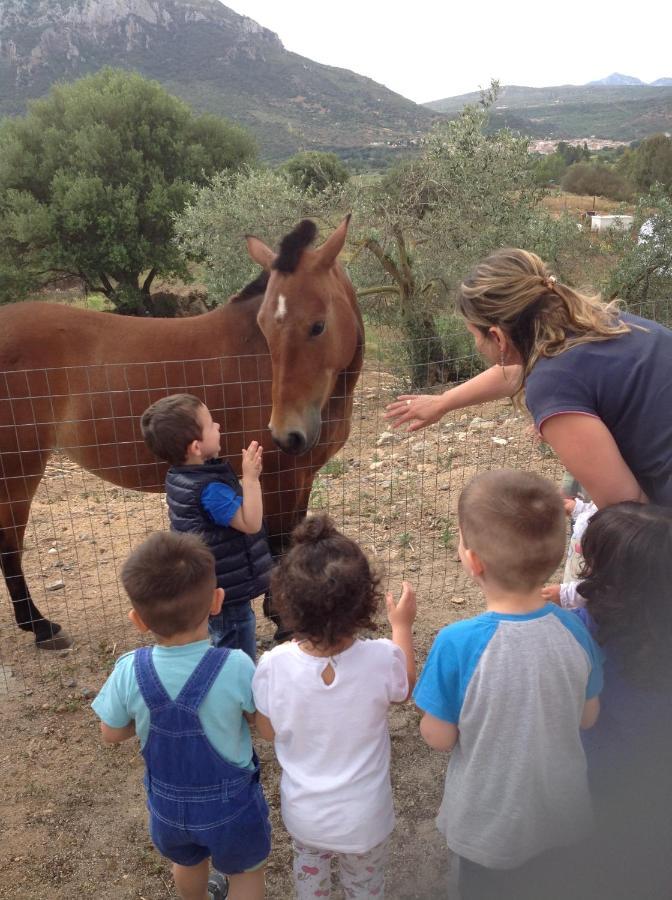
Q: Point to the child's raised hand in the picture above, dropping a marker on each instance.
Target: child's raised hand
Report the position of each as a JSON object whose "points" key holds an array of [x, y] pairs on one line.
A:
{"points": [[551, 593], [252, 460], [402, 613], [569, 503]]}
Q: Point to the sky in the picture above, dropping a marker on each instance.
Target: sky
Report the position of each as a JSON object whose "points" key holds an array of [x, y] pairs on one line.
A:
{"points": [[431, 49]]}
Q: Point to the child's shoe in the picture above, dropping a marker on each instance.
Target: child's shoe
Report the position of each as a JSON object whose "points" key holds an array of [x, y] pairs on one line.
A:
{"points": [[218, 886]]}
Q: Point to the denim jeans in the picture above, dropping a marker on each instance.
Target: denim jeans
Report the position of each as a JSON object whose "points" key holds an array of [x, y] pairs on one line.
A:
{"points": [[235, 627]]}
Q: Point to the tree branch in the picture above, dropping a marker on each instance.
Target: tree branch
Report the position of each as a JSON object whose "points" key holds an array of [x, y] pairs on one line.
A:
{"points": [[108, 290], [379, 289], [148, 281], [384, 259]]}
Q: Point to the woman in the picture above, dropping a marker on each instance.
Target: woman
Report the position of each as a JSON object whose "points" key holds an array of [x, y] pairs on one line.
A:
{"points": [[598, 382]]}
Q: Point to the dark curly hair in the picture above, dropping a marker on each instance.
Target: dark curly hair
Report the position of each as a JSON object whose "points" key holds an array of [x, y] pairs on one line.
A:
{"points": [[324, 586], [627, 579]]}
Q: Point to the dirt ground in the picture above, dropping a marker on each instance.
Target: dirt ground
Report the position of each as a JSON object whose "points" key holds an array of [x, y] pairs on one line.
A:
{"points": [[73, 822]]}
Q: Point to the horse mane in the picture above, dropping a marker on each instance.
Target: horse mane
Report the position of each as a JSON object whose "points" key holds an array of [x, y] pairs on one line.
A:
{"points": [[293, 244], [253, 289]]}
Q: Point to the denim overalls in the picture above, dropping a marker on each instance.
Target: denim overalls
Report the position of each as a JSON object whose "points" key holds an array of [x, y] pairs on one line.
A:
{"points": [[200, 805]]}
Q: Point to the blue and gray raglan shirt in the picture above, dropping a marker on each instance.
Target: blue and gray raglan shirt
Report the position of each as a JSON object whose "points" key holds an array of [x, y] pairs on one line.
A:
{"points": [[515, 686]]}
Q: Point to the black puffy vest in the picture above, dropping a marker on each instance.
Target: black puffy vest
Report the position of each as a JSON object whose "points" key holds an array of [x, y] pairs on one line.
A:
{"points": [[242, 561]]}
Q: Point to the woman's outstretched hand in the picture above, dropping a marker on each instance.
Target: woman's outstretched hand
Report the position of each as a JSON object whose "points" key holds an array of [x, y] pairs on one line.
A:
{"points": [[418, 410]]}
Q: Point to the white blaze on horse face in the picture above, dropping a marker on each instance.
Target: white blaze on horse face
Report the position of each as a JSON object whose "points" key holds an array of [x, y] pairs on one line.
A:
{"points": [[281, 309]]}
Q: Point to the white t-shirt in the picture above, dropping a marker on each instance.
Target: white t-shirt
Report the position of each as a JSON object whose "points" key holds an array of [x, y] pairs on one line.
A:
{"points": [[332, 741]]}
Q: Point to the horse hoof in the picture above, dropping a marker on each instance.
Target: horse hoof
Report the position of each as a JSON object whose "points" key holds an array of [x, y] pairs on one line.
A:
{"points": [[56, 640]]}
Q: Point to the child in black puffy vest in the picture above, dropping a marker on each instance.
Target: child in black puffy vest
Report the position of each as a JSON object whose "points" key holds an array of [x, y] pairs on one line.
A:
{"points": [[205, 497]]}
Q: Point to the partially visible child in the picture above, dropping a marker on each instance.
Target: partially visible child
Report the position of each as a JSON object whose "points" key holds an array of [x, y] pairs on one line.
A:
{"points": [[628, 579], [567, 594], [508, 692], [189, 704], [205, 497], [324, 699]]}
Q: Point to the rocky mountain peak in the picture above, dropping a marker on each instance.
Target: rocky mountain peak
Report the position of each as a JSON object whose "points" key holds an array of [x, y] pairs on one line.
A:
{"points": [[38, 33]]}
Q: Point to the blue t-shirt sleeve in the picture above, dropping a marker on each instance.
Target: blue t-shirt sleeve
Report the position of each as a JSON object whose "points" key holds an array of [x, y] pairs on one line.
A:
{"points": [[451, 662], [111, 704], [221, 502], [552, 388], [574, 620]]}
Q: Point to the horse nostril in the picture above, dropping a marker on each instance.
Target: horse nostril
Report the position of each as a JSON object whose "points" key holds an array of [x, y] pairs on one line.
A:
{"points": [[296, 442]]}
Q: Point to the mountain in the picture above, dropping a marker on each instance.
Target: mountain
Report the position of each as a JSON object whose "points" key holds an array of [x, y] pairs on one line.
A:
{"points": [[618, 112], [617, 79], [215, 59]]}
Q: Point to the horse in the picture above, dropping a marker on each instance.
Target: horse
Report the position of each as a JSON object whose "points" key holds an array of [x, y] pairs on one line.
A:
{"points": [[277, 363]]}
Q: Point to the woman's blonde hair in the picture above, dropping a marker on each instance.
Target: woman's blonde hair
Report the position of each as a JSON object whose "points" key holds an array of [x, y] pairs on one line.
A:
{"points": [[513, 289]]}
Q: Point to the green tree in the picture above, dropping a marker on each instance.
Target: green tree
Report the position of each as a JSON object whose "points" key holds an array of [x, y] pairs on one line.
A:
{"points": [[313, 171], [90, 181], [426, 224], [572, 153], [651, 163], [596, 178], [643, 274], [212, 227], [549, 169]]}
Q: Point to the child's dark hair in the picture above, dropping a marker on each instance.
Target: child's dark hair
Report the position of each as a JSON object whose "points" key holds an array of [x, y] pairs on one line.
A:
{"points": [[515, 522], [170, 425], [170, 580], [627, 578], [324, 586]]}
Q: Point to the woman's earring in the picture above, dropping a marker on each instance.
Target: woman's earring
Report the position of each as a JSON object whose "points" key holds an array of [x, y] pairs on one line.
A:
{"points": [[501, 357]]}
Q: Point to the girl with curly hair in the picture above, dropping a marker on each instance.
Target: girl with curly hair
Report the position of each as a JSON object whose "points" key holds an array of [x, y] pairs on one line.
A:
{"points": [[626, 586], [323, 698]]}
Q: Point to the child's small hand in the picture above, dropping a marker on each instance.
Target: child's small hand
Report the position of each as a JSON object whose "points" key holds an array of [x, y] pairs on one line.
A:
{"points": [[552, 593], [569, 503], [252, 460], [402, 613], [537, 439]]}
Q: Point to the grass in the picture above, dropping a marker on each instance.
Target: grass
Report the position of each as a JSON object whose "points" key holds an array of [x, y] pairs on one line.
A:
{"points": [[559, 202], [447, 538], [335, 466]]}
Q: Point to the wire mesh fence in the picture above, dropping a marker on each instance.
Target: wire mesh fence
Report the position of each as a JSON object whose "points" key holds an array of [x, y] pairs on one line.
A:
{"points": [[100, 493]]}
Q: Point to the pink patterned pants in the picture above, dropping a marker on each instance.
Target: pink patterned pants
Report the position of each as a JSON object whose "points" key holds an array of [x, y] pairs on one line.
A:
{"points": [[361, 874]]}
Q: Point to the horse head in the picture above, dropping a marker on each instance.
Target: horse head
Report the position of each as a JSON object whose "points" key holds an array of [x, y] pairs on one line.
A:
{"points": [[311, 322]]}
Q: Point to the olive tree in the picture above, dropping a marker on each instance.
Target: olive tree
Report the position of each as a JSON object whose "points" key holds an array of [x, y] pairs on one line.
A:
{"points": [[422, 228]]}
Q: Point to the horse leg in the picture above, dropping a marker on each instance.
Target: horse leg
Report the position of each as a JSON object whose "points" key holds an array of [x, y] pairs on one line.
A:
{"points": [[48, 635]]}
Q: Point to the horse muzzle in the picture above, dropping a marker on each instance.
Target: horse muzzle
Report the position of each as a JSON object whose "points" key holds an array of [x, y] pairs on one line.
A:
{"points": [[299, 437]]}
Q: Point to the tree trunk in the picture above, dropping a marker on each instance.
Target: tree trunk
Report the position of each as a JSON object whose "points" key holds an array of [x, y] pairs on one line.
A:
{"points": [[425, 349]]}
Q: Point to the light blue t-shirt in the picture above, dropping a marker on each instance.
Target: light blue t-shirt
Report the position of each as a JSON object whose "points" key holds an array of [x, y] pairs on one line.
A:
{"points": [[515, 686], [221, 713]]}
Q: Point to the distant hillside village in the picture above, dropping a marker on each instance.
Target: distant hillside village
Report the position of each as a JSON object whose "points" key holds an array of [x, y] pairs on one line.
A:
{"points": [[545, 147]]}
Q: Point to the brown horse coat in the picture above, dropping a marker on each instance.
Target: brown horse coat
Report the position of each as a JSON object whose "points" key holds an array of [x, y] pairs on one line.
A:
{"points": [[78, 381]]}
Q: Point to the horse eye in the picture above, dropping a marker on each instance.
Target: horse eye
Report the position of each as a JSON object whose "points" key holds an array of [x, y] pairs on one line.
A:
{"points": [[316, 329]]}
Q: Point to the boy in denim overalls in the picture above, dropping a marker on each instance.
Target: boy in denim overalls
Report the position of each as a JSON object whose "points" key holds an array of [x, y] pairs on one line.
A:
{"points": [[190, 704]]}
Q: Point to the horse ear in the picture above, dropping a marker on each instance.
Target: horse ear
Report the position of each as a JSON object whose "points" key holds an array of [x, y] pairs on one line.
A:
{"points": [[325, 256], [259, 252]]}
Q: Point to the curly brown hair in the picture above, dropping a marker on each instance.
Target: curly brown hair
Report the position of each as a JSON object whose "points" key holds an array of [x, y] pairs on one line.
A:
{"points": [[627, 576], [324, 586]]}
